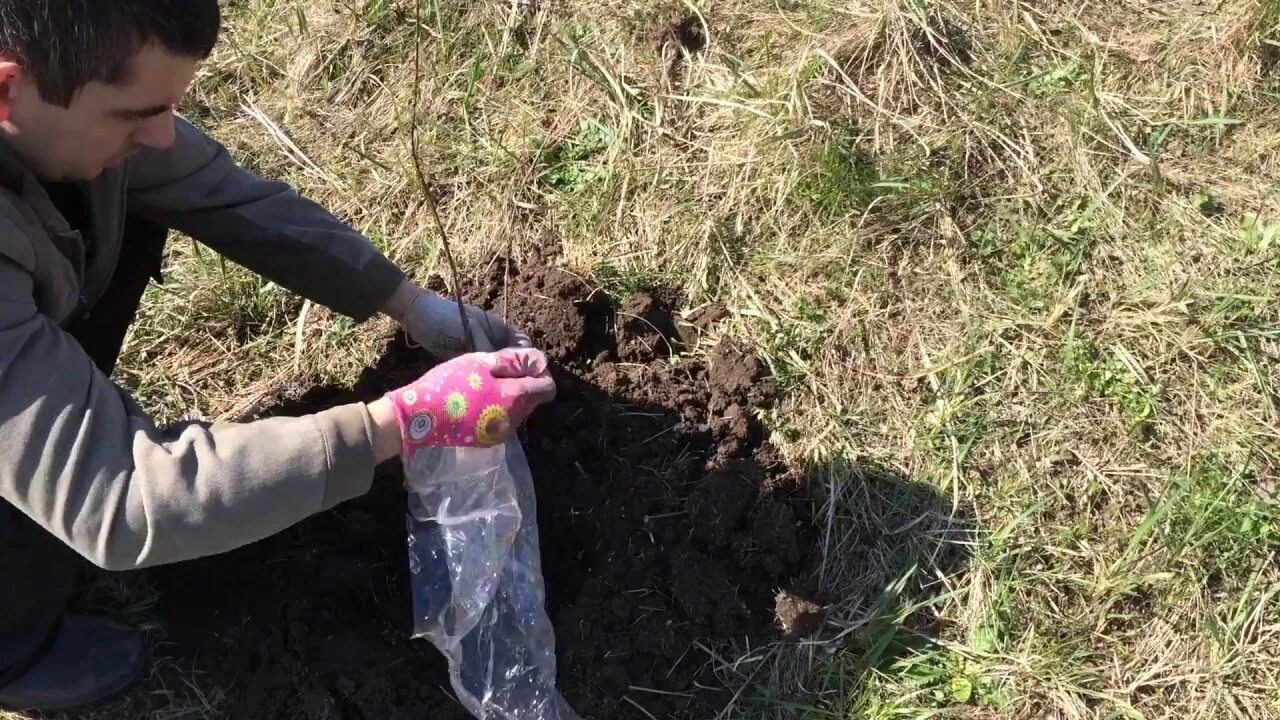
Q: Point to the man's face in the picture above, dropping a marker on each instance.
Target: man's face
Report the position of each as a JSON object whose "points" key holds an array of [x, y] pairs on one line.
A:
{"points": [[104, 125]]}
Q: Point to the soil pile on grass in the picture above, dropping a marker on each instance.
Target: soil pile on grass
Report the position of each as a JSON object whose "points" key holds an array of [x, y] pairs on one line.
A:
{"points": [[662, 523]]}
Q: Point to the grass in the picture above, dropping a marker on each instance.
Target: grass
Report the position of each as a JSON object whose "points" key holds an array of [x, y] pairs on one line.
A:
{"points": [[1015, 264]]}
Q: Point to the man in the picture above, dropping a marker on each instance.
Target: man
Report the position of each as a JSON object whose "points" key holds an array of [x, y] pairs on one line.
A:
{"points": [[94, 167]]}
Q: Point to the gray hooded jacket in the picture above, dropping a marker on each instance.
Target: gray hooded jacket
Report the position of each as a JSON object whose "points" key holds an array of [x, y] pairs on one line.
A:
{"points": [[77, 455]]}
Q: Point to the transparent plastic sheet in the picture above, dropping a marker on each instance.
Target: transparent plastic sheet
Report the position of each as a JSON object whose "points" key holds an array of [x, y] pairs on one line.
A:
{"points": [[476, 576]]}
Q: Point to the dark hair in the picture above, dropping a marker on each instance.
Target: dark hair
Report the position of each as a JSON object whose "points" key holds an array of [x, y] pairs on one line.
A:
{"points": [[67, 44]]}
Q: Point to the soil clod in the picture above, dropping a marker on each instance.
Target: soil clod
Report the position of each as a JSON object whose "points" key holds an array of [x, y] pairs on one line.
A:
{"points": [[797, 616]]}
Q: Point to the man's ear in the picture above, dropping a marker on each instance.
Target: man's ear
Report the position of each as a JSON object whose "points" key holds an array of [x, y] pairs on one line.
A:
{"points": [[10, 72]]}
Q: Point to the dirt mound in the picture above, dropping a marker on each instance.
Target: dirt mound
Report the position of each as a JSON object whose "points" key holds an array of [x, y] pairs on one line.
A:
{"points": [[661, 525]]}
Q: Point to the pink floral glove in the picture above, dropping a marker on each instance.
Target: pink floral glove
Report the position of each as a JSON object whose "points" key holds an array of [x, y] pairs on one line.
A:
{"points": [[476, 400]]}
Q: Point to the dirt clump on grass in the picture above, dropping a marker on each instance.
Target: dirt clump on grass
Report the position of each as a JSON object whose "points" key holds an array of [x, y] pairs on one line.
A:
{"points": [[660, 520], [798, 616], [647, 328]]}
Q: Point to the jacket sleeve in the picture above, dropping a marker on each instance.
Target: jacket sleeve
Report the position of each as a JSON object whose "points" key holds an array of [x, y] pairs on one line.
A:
{"points": [[79, 457], [197, 188]]}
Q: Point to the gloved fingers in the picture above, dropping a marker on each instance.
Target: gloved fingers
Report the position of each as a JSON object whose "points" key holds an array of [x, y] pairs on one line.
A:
{"points": [[499, 422], [433, 323], [498, 333], [542, 389], [519, 338], [517, 363], [528, 393], [483, 330]]}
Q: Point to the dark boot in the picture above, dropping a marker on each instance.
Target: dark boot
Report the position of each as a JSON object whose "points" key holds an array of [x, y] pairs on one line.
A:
{"points": [[87, 661]]}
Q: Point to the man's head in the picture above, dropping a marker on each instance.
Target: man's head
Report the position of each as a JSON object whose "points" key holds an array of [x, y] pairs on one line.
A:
{"points": [[86, 83]]}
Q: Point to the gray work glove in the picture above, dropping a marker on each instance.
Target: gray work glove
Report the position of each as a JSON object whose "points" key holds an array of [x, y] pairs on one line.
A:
{"points": [[433, 323]]}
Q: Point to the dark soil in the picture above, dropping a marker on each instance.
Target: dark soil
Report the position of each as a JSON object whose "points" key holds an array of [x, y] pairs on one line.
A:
{"points": [[664, 520], [681, 33], [1269, 56], [685, 31]]}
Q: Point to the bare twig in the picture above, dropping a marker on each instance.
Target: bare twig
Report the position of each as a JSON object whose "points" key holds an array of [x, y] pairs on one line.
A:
{"points": [[506, 280], [468, 340], [637, 688], [639, 707]]}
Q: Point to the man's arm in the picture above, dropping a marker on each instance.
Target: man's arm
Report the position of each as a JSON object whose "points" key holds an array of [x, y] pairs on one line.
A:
{"points": [[79, 457], [197, 188]]}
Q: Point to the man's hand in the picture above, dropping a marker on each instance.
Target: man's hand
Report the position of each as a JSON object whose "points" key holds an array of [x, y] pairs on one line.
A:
{"points": [[433, 322], [476, 400]]}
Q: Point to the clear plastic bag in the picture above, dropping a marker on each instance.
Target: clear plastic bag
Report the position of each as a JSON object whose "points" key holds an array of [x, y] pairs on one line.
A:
{"points": [[476, 577]]}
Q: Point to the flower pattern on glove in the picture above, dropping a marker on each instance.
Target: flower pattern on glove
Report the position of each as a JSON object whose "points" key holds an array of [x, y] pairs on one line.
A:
{"points": [[477, 400]]}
